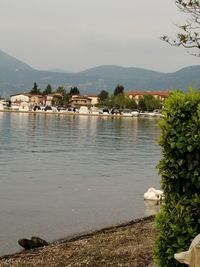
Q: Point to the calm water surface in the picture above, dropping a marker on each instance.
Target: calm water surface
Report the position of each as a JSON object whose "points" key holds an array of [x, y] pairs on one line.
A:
{"points": [[60, 175]]}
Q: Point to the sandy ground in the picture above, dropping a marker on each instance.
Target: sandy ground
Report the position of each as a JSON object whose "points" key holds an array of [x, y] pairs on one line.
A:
{"points": [[128, 244]]}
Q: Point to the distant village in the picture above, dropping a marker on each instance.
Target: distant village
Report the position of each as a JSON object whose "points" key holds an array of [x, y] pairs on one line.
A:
{"points": [[60, 100]]}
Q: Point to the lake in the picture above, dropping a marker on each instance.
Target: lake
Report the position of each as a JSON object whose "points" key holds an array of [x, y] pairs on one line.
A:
{"points": [[65, 174]]}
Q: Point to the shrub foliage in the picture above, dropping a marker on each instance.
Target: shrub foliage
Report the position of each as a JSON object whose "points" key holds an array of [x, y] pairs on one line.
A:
{"points": [[179, 219]]}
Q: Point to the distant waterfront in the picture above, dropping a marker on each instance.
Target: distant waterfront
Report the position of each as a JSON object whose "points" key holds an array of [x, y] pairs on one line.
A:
{"points": [[153, 114], [61, 175]]}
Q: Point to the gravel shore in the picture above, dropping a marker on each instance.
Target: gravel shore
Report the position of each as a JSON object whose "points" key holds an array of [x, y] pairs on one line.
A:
{"points": [[128, 244]]}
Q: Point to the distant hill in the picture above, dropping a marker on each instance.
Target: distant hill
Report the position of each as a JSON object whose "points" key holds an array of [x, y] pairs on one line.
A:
{"points": [[17, 76], [12, 64]]}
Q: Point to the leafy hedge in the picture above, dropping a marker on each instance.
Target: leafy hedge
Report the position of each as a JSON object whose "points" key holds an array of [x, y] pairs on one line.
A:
{"points": [[179, 220]]}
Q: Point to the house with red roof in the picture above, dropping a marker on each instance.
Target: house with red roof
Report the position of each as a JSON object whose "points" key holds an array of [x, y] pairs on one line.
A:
{"points": [[136, 95]]}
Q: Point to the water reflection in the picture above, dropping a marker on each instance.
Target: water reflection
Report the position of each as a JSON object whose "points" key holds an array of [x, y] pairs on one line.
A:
{"points": [[151, 207]]}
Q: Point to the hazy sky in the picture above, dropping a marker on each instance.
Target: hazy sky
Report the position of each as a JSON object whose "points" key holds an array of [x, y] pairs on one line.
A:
{"points": [[80, 34]]}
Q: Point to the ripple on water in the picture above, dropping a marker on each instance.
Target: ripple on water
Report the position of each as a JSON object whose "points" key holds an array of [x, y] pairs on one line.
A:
{"points": [[62, 175]]}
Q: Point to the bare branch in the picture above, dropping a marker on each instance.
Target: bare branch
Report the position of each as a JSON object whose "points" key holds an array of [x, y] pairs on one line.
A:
{"points": [[189, 35]]}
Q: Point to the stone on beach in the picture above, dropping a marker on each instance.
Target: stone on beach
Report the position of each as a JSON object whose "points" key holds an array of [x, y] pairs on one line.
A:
{"points": [[34, 242], [190, 257]]}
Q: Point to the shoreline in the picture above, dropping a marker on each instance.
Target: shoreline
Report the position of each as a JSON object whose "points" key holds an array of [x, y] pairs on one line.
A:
{"points": [[81, 114], [87, 234], [131, 237]]}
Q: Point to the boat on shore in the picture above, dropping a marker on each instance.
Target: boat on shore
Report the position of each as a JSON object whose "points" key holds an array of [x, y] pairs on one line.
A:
{"points": [[81, 111], [84, 110], [130, 113]]}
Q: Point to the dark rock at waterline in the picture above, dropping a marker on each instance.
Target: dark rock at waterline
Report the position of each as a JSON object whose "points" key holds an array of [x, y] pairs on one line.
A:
{"points": [[34, 242]]}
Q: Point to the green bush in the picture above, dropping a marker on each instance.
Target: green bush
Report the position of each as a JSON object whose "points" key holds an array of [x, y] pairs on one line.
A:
{"points": [[179, 219]]}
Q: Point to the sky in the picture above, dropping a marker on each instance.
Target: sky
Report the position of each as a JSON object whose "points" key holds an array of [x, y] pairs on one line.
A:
{"points": [[75, 35]]}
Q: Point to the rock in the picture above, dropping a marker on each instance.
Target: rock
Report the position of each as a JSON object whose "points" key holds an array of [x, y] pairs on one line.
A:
{"points": [[34, 242], [39, 242], [190, 257], [26, 243]]}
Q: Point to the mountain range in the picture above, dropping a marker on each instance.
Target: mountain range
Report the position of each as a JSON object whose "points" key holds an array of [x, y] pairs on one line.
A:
{"points": [[17, 76]]}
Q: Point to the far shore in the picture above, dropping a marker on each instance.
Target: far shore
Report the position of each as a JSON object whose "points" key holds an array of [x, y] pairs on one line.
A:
{"points": [[80, 114]]}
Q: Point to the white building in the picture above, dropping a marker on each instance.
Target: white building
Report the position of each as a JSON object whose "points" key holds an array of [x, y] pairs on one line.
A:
{"points": [[18, 98], [1, 105], [19, 101]]}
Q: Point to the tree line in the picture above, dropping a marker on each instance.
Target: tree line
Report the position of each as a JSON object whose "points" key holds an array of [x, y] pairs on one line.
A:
{"points": [[61, 96], [118, 99]]}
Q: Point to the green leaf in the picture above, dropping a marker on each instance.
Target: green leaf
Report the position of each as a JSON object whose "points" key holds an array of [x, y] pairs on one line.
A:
{"points": [[189, 148]]}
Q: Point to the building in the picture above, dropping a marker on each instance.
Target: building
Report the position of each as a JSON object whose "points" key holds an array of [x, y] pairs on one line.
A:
{"points": [[18, 98], [53, 98], [136, 95], [94, 99], [3, 103], [37, 99], [78, 100], [20, 101]]}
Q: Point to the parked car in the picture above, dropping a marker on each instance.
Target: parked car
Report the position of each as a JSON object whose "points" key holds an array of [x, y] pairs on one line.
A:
{"points": [[157, 113], [72, 109], [36, 108], [105, 111], [135, 112], [61, 109], [50, 109], [144, 113], [115, 111], [127, 112], [95, 111]]}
